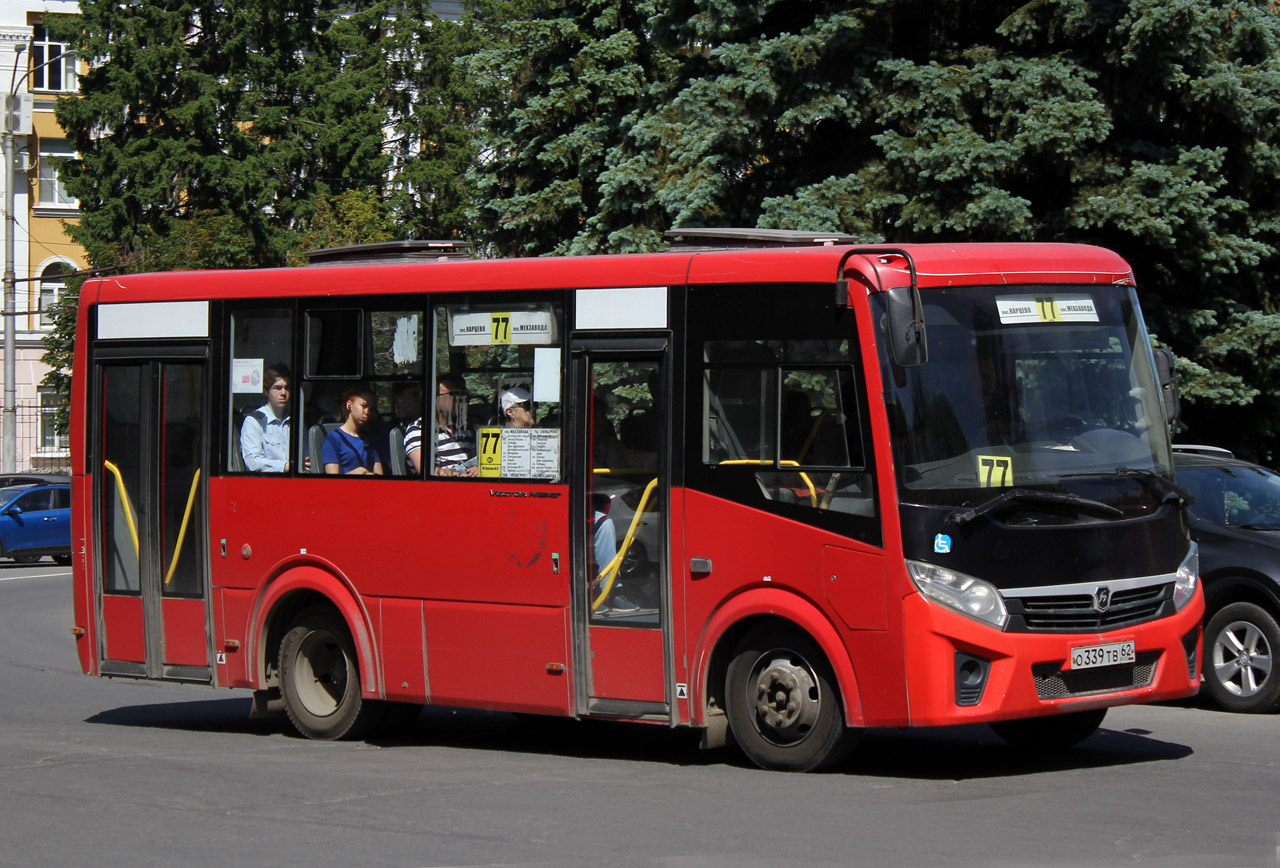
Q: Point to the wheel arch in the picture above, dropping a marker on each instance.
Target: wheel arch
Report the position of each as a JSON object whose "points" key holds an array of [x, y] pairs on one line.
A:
{"points": [[745, 612], [1238, 587], [290, 590]]}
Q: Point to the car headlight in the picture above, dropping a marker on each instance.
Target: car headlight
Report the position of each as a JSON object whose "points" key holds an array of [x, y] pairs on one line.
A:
{"points": [[963, 593], [1188, 577]]}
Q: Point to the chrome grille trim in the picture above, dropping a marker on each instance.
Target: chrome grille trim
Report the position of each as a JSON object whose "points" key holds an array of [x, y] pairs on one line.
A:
{"points": [[1071, 609]]}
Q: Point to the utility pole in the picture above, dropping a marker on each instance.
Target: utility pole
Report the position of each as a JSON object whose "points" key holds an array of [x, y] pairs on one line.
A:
{"points": [[9, 423], [14, 117]]}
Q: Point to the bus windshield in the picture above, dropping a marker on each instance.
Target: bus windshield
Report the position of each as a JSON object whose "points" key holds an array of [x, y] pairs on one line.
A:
{"points": [[1028, 388]]}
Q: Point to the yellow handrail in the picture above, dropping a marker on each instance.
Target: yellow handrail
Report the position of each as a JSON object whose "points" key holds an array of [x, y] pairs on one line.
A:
{"points": [[611, 569], [182, 531], [813, 491], [124, 502]]}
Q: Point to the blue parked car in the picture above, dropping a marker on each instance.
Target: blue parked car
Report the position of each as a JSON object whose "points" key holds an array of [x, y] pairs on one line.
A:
{"points": [[35, 520]]}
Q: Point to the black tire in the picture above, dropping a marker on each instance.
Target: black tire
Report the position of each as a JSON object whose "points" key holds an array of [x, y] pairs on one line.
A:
{"points": [[25, 559], [1241, 642], [783, 704], [320, 678], [1054, 731], [62, 560]]}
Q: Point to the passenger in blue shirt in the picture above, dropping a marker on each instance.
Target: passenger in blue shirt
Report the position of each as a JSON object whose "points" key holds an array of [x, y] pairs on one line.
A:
{"points": [[264, 436], [347, 449]]}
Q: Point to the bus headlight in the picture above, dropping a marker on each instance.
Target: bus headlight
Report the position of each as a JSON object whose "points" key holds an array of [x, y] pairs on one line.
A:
{"points": [[965, 594], [1188, 577]]}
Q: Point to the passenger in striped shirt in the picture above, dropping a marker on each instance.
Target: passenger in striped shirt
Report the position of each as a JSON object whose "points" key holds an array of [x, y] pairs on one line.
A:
{"points": [[455, 442]]}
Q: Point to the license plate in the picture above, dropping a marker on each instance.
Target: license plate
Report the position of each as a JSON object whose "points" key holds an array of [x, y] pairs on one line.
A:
{"points": [[1091, 656]]}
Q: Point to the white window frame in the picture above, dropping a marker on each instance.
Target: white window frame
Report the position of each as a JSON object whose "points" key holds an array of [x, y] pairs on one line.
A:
{"points": [[50, 191], [51, 69], [52, 284], [47, 430]]}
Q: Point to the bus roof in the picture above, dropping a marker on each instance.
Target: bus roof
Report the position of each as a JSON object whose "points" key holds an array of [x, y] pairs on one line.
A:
{"points": [[936, 265]]}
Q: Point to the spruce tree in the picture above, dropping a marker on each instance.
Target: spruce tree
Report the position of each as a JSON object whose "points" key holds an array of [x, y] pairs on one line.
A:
{"points": [[559, 80]]}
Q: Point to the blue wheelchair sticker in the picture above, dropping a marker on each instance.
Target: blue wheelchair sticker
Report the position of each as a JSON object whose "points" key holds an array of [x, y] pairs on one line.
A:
{"points": [[942, 544]]}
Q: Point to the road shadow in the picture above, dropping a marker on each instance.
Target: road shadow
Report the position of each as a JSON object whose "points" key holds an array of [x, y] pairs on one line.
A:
{"points": [[208, 715], [943, 754]]}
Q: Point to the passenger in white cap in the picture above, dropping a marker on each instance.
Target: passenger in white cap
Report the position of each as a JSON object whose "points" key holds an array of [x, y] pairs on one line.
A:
{"points": [[517, 407]]}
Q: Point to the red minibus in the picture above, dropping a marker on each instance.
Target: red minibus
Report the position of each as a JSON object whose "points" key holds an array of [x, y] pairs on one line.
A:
{"points": [[776, 486]]}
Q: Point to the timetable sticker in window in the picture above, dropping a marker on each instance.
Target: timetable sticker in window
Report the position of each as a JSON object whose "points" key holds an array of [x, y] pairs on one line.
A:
{"points": [[530, 453], [1046, 308]]}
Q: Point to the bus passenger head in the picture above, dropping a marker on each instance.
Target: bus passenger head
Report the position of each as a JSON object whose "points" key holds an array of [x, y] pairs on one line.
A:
{"points": [[357, 405], [517, 407], [276, 382], [451, 401]]}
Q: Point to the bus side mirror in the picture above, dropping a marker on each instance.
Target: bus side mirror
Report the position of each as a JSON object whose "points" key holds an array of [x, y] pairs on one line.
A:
{"points": [[1168, 384], [907, 341]]}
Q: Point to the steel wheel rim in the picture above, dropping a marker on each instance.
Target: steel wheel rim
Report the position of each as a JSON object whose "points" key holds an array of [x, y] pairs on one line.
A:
{"points": [[1242, 659], [321, 680], [786, 697]]}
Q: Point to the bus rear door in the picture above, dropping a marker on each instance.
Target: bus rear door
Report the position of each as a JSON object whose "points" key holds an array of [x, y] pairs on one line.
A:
{"points": [[149, 461], [622, 594]]}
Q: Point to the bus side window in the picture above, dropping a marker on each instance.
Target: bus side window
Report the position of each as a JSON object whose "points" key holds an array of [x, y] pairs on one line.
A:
{"points": [[262, 401], [781, 423], [498, 377]]}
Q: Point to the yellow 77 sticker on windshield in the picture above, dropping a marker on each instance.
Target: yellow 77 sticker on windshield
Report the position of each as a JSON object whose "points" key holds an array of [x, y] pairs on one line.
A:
{"points": [[995, 471]]}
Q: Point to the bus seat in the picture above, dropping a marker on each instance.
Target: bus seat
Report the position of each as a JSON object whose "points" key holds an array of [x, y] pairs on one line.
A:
{"points": [[398, 461], [235, 459], [315, 443]]}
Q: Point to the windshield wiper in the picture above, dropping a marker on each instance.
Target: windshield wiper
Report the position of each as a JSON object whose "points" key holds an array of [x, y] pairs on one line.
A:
{"points": [[1146, 478], [966, 515], [1257, 526]]}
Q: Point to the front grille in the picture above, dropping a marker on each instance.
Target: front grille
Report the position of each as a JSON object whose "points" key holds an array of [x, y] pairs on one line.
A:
{"points": [[1074, 613], [1053, 682]]}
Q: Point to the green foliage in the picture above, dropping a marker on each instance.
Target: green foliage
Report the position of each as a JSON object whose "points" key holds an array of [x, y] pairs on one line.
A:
{"points": [[431, 109], [353, 217], [247, 108], [560, 80], [1147, 126], [580, 126]]}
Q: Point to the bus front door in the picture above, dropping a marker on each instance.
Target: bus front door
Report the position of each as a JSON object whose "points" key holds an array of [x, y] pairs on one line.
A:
{"points": [[148, 461], [622, 598]]}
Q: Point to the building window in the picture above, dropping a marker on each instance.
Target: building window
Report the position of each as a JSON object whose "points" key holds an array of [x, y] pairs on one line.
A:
{"points": [[51, 288], [51, 189], [51, 67], [51, 440]]}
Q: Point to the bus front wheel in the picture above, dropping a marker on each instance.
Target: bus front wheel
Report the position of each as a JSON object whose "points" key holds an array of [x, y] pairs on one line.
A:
{"points": [[782, 702], [320, 677]]}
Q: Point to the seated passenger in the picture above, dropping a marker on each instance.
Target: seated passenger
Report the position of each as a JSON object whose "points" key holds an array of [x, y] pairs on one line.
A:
{"points": [[455, 442], [517, 408], [347, 449], [264, 436]]}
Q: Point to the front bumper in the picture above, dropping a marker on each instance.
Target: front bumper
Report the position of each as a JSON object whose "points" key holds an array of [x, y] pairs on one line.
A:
{"points": [[1026, 674]]}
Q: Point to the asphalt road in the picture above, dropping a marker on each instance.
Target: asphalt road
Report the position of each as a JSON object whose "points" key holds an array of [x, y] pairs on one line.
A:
{"points": [[106, 773]]}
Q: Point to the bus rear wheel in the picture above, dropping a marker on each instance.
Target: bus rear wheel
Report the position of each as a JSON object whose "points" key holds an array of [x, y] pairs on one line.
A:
{"points": [[782, 702], [320, 678], [1054, 731]]}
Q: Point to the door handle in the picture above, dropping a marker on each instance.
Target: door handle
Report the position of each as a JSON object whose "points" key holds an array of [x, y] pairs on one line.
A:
{"points": [[700, 567]]}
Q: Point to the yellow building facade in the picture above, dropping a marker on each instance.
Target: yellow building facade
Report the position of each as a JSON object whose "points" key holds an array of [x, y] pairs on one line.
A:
{"points": [[36, 71]]}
